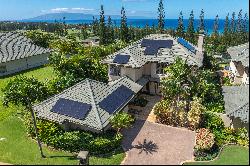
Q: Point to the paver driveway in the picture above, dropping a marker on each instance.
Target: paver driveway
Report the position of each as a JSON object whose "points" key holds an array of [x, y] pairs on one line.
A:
{"points": [[150, 143]]}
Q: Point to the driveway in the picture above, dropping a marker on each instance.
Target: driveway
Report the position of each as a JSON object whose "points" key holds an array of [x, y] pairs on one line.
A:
{"points": [[148, 143]]}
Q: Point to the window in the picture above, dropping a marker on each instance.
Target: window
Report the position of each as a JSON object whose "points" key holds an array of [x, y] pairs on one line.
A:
{"points": [[115, 70], [160, 68], [3, 69]]}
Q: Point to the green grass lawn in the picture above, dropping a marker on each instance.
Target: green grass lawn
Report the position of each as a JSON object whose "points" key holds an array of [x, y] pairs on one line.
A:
{"points": [[17, 148], [231, 155], [43, 74]]}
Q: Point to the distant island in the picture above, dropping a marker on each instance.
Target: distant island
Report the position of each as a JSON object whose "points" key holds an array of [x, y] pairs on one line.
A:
{"points": [[75, 16]]}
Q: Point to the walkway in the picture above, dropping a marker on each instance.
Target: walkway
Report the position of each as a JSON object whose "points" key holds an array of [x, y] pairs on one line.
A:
{"points": [[148, 143]]}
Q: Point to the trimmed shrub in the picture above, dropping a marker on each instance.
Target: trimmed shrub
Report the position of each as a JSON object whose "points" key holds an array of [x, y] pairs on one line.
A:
{"points": [[204, 139], [140, 101], [53, 135], [207, 154]]}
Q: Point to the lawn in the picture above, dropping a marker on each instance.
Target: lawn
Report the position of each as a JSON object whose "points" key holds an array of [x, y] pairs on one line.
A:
{"points": [[17, 148], [42, 74], [231, 155]]}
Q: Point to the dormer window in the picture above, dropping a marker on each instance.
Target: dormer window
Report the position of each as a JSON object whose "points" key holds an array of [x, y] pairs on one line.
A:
{"points": [[115, 70]]}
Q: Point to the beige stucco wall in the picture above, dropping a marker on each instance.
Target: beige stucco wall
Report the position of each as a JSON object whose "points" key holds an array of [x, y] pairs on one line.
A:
{"points": [[245, 78], [147, 69], [24, 64]]}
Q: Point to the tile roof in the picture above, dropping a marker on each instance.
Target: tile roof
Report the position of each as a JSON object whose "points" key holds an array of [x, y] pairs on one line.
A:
{"points": [[90, 92], [15, 46], [240, 53], [237, 101], [165, 55]]}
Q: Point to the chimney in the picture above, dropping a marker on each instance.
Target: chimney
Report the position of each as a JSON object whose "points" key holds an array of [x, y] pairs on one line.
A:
{"points": [[201, 41]]}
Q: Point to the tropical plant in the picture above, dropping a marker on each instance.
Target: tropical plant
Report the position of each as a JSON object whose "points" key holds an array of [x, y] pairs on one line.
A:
{"points": [[194, 114], [204, 139], [26, 91], [121, 120]]}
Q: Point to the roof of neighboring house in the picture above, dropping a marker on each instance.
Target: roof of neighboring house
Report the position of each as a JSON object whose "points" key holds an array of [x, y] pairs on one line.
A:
{"points": [[237, 101], [15, 46], [138, 58], [88, 92], [240, 53]]}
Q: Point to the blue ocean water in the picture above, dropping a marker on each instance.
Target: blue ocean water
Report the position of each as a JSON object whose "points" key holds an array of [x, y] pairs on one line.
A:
{"points": [[169, 23]]}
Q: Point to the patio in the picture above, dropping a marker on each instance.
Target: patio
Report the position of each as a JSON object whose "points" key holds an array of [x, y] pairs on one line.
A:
{"points": [[148, 143]]}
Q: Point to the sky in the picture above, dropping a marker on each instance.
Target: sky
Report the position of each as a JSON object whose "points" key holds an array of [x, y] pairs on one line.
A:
{"points": [[22, 9]]}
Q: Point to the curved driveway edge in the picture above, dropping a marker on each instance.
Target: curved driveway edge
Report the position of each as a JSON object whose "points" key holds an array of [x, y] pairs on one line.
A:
{"points": [[148, 143]]}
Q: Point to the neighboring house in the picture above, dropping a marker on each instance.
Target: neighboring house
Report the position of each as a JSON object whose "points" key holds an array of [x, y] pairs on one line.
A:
{"points": [[90, 104], [237, 105], [92, 41], [148, 57], [18, 53], [239, 64]]}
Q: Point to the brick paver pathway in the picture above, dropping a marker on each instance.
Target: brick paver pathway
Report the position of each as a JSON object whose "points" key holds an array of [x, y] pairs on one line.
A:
{"points": [[149, 143]]}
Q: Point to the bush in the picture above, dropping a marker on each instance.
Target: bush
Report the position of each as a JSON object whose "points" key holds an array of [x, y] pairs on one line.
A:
{"points": [[204, 139], [140, 101], [53, 135], [207, 154], [217, 107], [195, 112], [212, 121]]}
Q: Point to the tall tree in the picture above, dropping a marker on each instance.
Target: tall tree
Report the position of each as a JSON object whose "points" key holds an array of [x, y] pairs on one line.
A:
{"points": [[216, 26], [245, 28], [201, 22], [232, 27], [161, 17], [190, 30], [110, 31], [180, 29], [26, 91], [239, 25], [124, 34], [226, 34], [95, 26], [102, 27]]}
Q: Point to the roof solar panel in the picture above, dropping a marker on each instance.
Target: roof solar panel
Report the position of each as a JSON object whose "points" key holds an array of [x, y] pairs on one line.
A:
{"points": [[116, 99], [186, 45], [152, 46], [71, 108], [121, 59]]}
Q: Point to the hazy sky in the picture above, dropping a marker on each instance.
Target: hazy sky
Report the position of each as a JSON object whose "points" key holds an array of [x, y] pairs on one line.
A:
{"points": [[20, 9]]}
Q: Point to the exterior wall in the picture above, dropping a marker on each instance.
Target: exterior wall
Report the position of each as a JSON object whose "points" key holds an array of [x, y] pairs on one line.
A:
{"points": [[233, 68], [153, 70], [245, 79], [237, 123], [68, 126], [147, 69], [24, 64], [134, 74]]}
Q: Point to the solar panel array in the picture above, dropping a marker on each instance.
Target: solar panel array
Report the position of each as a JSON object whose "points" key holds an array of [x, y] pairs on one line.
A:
{"points": [[152, 46], [121, 59], [116, 99], [71, 108], [186, 45]]}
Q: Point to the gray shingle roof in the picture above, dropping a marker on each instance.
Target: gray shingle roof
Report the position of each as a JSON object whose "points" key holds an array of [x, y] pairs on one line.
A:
{"points": [[165, 55], [240, 53], [15, 46], [237, 101], [89, 92]]}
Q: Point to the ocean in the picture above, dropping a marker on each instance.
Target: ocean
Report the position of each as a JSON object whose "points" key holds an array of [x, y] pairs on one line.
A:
{"points": [[169, 23]]}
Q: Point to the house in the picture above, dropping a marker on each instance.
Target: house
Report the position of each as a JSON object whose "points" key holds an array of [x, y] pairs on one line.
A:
{"points": [[92, 41], [237, 105], [239, 64], [148, 57], [18, 53], [90, 104]]}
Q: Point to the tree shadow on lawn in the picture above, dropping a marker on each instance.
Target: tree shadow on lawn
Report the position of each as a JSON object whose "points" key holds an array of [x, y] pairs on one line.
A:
{"points": [[73, 157]]}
